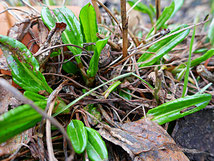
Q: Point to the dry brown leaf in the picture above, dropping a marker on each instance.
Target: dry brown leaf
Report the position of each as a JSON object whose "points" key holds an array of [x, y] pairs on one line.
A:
{"points": [[13, 145], [144, 140]]}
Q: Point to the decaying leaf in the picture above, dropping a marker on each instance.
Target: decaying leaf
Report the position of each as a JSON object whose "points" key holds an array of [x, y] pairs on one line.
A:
{"points": [[144, 140], [54, 38], [13, 145]]}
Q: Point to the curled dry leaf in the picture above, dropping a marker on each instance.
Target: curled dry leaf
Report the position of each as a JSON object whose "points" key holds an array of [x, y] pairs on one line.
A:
{"points": [[144, 140]]}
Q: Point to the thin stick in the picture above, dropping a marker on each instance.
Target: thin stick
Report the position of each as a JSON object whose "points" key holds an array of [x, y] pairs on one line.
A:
{"points": [[17, 9], [124, 27], [57, 46], [110, 42], [134, 39], [133, 6], [97, 11], [31, 7], [130, 112], [19, 96], [48, 134], [158, 8]]}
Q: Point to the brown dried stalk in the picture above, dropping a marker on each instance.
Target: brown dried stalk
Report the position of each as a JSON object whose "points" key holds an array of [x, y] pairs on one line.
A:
{"points": [[158, 8], [110, 42], [97, 11], [134, 39], [124, 27]]}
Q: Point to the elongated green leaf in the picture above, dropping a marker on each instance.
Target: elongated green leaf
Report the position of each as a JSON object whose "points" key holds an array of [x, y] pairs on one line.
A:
{"points": [[70, 67], [162, 19], [96, 148], [195, 62], [18, 120], [178, 108], [24, 66], [161, 48], [178, 5], [34, 96], [142, 8], [78, 135], [93, 65], [211, 32], [88, 23], [154, 48], [111, 88], [72, 33], [188, 64]]}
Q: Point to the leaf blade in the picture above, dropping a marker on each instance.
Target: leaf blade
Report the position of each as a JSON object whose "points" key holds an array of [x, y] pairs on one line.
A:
{"points": [[78, 135], [96, 148], [173, 110]]}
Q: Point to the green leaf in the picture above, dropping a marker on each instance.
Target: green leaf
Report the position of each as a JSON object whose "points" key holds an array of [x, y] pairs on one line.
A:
{"points": [[125, 95], [162, 47], [96, 148], [142, 8], [93, 65], [111, 88], [93, 111], [78, 135], [18, 120], [188, 64], [34, 96], [24, 66], [162, 19], [72, 33], [70, 67], [195, 62], [178, 5], [88, 23], [201, 50], [211, 32], [178, 108]]}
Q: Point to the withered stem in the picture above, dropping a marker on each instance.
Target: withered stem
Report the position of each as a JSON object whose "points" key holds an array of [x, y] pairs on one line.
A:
{"points": [[124, 27]]}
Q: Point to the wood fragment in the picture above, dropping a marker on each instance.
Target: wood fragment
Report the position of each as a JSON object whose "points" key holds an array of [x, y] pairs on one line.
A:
{"points": [[124, 27], [202, 71]]}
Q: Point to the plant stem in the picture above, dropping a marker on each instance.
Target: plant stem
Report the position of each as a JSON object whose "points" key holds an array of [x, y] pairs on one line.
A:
{"points": [[98, 15], [124, 27], [188, 64], [158, 8]]}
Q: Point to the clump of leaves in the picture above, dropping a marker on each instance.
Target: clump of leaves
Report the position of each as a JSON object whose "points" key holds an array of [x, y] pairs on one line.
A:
{"points": [[26, 73]]}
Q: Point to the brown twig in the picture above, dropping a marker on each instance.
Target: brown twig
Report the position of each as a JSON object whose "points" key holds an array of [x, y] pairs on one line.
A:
{"points": [[110, 42], [124, 27], [48, 134], [97, 11], [19, 96], [134, 39], [57, 46], [158, 8]]}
